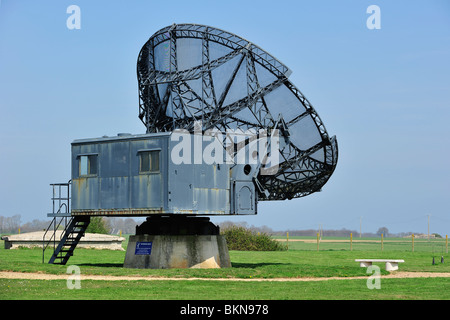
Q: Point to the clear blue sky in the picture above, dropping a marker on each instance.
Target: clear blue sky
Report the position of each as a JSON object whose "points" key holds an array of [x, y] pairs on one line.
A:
{"points": [[384, 93]]}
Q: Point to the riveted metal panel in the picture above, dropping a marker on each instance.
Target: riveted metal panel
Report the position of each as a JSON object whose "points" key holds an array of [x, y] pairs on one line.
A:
{"points": [[118, 188], [196, 187], [191, 187]]}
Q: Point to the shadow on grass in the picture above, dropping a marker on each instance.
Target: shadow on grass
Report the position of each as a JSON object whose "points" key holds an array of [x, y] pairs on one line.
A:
{"points": [[102, 265]]}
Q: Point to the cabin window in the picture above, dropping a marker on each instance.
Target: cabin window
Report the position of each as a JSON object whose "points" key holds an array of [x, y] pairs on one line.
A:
{"points": [[88, 165], [149, 161]]}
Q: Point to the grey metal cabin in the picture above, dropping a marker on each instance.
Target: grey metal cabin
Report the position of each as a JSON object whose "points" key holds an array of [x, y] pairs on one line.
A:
{"points": [[132, 175]]}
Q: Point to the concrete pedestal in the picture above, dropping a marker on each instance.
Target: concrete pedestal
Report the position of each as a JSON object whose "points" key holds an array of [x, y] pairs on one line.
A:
{"points": [[164, 242], [180, 251]]}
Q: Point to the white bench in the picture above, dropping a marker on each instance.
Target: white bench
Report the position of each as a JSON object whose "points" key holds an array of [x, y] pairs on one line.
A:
{"points": [[391, 265]]}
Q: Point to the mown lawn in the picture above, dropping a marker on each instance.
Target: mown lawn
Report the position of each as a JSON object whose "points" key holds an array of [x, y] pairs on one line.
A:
{"points": [[390, 289], [297, 262]]}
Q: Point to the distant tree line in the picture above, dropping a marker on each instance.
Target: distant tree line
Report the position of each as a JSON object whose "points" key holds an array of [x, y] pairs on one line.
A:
{"points": [[107, 225], [9, 224], [124, 225], [313, 232], [325, 233], [115, 225], [292, 232]]}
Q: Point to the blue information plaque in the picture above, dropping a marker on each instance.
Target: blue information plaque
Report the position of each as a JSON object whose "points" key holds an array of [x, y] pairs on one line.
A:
{"points": [[143, 248]]}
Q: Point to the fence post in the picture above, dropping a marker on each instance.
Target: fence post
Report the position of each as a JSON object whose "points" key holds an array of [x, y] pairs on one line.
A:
{"points": [[351, 241], [446, 243], [412, 237], [317, 241], [381, 242], [287, 240]]}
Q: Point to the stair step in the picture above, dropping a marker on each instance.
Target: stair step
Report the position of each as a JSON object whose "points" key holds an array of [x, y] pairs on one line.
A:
{"points": [[75, 230]]}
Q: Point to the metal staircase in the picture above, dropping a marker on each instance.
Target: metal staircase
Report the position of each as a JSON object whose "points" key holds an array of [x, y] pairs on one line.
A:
{"points": [[69, 239], [74, 226]]}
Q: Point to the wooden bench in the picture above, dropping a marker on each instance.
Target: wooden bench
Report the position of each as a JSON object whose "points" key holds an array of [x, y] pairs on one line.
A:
{"points": [[391, 264]]}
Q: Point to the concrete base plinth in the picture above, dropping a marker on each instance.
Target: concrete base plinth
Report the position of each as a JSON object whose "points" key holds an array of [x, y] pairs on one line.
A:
{"points": [[177, 251]]}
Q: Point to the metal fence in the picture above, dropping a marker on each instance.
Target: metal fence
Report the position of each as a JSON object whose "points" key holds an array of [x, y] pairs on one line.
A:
{"points": [[411, 244]]}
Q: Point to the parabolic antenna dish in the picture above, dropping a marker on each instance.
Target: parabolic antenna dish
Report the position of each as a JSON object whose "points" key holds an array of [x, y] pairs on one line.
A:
{"points": [[190, 72]]}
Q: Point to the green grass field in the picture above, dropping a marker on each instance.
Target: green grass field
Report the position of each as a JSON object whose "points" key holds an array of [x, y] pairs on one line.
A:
{"points": [[334, 259]]}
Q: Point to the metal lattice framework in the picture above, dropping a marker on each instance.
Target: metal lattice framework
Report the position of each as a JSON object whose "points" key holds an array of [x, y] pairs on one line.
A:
{"points": [[189, 72]]}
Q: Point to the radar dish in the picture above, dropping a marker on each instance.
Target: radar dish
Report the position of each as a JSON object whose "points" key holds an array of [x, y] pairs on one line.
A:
{"points": [[189, 73]]}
